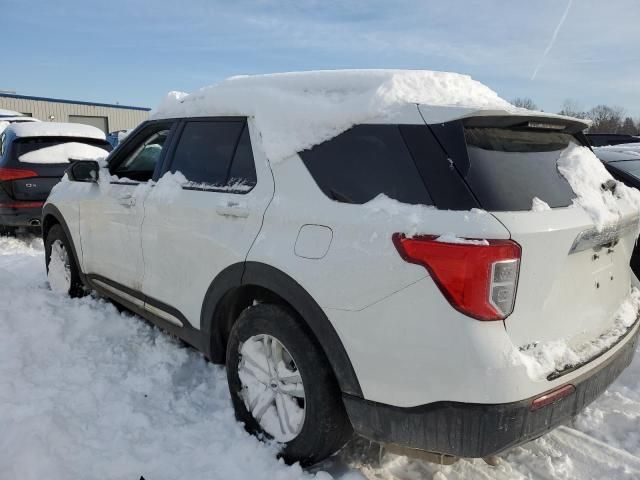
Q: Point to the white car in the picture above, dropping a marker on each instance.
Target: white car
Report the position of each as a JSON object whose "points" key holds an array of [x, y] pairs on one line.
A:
{"points": [[391, 253]]}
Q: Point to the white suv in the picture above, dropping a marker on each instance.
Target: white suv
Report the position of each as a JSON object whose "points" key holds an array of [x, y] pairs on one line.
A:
{"points": [[423, 277]]}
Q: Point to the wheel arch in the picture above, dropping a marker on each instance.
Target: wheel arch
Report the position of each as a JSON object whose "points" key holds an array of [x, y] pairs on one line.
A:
{"points": [[51, 216], [239, 285]]}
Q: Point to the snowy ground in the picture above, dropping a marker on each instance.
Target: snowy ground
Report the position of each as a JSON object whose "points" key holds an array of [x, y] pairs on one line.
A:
{"points": [[87, 392]]}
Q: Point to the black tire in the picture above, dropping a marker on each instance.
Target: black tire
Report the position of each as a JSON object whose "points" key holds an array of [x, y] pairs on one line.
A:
{"points": [[7, 231], [56, 233], [326, 427]]}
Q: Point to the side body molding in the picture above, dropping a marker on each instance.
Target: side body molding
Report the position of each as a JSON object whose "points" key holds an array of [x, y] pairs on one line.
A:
{"points": [[216, 318]]}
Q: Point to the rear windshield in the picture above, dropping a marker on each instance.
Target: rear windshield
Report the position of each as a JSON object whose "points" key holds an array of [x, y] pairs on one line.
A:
{"points": [[509, 167], [26, 145]]}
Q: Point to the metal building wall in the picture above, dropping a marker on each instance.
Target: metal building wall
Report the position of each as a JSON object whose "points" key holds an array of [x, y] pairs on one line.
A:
{"points": [[119, 118]]}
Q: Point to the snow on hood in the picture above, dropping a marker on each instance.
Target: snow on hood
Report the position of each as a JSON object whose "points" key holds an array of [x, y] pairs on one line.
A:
{"points": [[63, 153], [295, 111], [55, 129]]}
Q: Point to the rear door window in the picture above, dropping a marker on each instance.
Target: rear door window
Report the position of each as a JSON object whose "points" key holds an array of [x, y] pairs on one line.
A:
{"points": [[509, 167], [215, 155], [365, 161]]}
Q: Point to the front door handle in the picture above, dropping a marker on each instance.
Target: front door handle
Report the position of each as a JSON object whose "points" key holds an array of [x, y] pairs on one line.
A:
{"points": [[233, 208], [127, 200]]}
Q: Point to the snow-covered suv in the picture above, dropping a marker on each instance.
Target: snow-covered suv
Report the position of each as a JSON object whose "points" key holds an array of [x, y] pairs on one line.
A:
{"points": [[399, 253]]}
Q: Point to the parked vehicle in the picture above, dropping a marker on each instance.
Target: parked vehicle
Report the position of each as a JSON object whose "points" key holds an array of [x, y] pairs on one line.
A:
{"points": [[306, 276], [114, 138], [7, 117], [33, 158], [604, 139]]}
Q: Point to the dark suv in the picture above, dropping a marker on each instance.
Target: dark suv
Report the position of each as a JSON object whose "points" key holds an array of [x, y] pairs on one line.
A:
{"points": [[33, 158]]}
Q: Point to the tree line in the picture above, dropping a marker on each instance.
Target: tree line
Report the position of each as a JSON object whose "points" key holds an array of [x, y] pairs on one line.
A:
{"points": [[605, 118]]}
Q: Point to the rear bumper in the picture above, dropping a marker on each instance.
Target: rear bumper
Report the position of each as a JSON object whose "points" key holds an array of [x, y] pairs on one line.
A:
{"points": [[478, 430], [21, 217]]}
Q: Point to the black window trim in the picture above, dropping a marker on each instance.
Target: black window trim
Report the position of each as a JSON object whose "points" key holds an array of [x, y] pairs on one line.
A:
{"points": [[169, 157]]}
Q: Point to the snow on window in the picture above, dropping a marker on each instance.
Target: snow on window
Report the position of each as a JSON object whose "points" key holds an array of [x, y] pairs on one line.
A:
{"points": [[295, 111], [63, 153], [588, 178], [538, 205]]}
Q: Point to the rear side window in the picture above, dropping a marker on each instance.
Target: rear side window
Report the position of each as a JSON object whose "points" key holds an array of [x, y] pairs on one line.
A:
{"points": [[365, 161], [509, 167], [215, 154]]}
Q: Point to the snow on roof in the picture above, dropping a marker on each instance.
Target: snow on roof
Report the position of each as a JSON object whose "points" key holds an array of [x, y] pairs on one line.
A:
{"points": [[9, 113], [295, 111], [55, 129]]}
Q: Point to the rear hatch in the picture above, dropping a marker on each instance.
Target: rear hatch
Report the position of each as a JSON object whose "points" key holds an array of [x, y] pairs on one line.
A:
{"points": [[568, 291], [31, 177]]}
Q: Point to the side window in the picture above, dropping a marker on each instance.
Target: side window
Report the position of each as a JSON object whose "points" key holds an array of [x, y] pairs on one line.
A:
{"points": [[363, 162], [140, 164], [215, 154]]}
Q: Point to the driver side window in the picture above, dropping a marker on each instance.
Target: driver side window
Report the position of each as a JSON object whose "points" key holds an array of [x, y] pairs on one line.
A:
{"points": [[140, 163]]}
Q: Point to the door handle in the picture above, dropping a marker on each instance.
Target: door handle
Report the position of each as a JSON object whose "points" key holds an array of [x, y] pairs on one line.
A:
{"points": [[232, 208], [127, 200]]}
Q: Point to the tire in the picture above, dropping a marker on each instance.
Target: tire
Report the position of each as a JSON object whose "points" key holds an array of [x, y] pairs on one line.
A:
{"points": [[63, 274], [7, 231], [324, 427]]}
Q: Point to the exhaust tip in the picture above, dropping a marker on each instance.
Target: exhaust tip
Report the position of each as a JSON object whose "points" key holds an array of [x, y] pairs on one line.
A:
{"points": [[34, 222]]}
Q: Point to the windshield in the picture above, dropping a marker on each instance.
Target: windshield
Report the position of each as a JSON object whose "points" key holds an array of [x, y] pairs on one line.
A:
{"points": [[632, 167], [510, 166]]}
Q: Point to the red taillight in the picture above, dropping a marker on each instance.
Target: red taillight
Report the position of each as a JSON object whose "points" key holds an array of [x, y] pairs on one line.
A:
{"points": [[479, 280], [19, 204], [552, 397], [16, 174]]}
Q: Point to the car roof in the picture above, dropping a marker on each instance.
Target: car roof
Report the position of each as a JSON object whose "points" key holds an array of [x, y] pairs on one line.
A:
{"points": [[55, 129]]}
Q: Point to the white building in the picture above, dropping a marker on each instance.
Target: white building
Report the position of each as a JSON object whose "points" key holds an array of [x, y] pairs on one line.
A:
{"points": [[106, 117]]}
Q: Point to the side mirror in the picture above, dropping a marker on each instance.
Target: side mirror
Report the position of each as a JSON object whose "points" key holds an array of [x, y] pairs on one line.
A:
{"points": [[83, 171]]}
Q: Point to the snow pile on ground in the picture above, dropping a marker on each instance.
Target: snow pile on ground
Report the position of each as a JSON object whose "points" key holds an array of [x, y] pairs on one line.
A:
{"points": [[544, 358], [63, 153], [56, 129], [538, 205], [295, 111], [587, 175], [89, 392]]}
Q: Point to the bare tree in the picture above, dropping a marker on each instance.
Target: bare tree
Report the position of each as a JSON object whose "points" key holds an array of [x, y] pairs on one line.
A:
{"points": [[628, 127], [571, 108], [524, 102], [605, 119]]}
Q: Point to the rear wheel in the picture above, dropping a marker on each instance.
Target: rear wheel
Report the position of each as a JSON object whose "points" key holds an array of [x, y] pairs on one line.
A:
{"points": [[7, 231], [282, 386], [62, 271]]}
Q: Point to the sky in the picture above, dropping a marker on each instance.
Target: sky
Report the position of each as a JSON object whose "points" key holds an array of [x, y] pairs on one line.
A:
{"points": [[133, 52]]}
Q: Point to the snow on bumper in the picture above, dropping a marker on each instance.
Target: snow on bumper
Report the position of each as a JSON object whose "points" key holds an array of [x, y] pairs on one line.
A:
{"points": [[552, 360]]}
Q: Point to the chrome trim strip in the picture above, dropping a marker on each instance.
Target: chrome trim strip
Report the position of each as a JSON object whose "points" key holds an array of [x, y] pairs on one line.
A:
{"points": [[139, 303], [162, 314], [119, 293]]}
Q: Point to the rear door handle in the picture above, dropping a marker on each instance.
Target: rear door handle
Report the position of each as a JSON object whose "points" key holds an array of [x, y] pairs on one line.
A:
{"points": [[127, 200], [233, 208]]}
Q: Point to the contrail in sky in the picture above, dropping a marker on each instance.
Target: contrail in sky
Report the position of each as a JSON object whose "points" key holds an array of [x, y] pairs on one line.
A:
{"points": [[553, 39]]}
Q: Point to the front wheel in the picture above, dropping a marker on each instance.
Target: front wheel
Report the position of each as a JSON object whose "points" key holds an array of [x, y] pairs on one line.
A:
{"points": [[282, 386], [62, 271]]}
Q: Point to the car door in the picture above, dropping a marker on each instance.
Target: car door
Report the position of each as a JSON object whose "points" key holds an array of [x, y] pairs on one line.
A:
{"points": [[111, 216], [190, 236]]}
